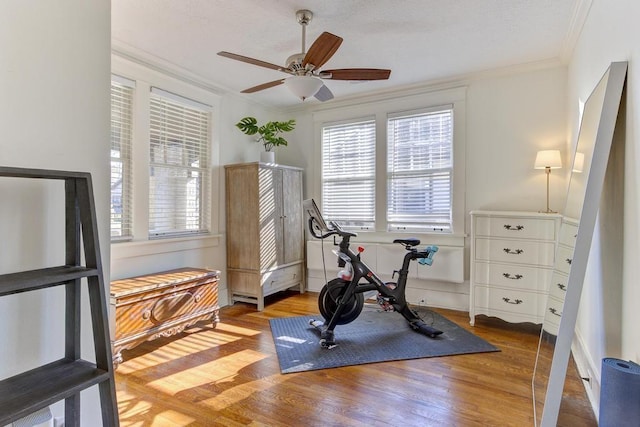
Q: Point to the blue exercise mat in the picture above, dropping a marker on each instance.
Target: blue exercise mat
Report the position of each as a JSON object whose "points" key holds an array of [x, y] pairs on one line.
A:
{"points": [[375, 336], [619, 394]]}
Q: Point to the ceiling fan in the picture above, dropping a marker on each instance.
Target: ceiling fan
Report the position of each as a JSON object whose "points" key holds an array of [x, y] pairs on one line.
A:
{"points": [[304, 68]]}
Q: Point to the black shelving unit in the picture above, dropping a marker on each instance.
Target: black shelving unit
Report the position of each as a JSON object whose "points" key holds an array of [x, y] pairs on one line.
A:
{"points": [[65, 378]]}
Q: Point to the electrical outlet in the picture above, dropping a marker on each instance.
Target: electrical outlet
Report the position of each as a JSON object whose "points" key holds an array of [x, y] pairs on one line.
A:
{"points": [[588, 379]]}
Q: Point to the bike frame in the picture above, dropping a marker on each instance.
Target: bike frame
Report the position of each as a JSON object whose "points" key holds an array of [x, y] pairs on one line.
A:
{"points": [[396, 296]]}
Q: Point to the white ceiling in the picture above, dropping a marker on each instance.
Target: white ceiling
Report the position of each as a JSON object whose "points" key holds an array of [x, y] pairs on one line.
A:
{"points": [[421, 41]]}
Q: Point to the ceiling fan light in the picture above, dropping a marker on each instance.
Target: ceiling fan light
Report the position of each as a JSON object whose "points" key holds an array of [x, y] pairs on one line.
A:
{"points": [[303, 86]]}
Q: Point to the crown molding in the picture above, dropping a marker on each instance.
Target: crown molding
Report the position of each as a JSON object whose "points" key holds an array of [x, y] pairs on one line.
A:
{"points": [[430, 86], [579, 16], [147, 60]]}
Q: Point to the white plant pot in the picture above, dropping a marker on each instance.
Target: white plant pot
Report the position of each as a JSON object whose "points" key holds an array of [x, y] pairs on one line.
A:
{"points": [[268, 156]]}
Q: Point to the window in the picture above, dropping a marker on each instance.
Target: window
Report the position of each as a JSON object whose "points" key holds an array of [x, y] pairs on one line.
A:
{"points": [[121, 170], [420, 169], [348, 169], [394, 164], [179, 177]]}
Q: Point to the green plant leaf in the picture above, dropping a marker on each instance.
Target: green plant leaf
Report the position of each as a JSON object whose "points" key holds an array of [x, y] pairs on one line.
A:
{"points": [[248, 125], [269, 132]]}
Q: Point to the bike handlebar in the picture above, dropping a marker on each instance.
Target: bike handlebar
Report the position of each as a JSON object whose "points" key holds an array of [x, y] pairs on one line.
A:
{"points": [[335, 229], [424, 257]]}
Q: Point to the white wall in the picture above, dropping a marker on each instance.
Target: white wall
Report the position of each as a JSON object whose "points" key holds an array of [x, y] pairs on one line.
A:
{"points": [[54, 114], [229, 145], [510, 118], [609, 315], [510, 115]]}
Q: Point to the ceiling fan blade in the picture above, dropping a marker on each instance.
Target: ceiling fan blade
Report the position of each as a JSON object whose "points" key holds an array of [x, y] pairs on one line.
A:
{"points": [[324, 94], [322, 49], [252, 61], [263, 86], [357, 74]]}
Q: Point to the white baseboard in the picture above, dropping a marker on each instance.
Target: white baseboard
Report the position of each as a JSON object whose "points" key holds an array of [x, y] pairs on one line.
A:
{"points": [[419, 292], [587, 368]]}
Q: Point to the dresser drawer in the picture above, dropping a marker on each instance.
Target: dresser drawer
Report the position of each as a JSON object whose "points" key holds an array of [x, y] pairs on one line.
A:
{"points": [[518, 228], [512, 276], [552, 316], [564, 259], [282, 278], [510, 300], [558, 286], [568, 234], [515, 251]]}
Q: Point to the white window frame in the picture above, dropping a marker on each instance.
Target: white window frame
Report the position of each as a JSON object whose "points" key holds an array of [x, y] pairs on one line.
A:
{"points": [[380, 107], [361, 175], [438, 174], [145, 78], [124, 158], [180, 129]]}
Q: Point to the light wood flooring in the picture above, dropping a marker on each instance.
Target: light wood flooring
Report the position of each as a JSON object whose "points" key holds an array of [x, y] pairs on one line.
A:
{"points": [[229, 376]]}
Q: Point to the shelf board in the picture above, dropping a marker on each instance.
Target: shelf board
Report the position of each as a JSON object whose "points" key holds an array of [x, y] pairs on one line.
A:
{"points": [[42, 278], [33, 390]]}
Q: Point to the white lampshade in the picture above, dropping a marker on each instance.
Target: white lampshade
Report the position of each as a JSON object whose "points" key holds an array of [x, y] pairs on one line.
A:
{"points": [[303, 86], [548, 159]]}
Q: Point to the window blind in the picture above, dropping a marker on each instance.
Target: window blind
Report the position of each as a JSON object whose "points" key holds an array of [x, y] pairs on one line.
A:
{"points": [[179, 174], [121, 163], [420, 167], [348, 173]]}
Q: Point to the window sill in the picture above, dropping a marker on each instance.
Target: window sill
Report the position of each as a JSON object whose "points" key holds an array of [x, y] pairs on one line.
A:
{"points": [[132, 249], [445, 239]]}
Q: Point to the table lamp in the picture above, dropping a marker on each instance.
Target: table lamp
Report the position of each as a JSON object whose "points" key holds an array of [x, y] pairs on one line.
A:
{"points": [[547, 160]]}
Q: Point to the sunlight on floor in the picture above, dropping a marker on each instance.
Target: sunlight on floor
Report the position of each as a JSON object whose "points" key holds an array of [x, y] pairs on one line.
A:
{"points": [[222, 327], [131, 410], [220, 370], [242, 392]]}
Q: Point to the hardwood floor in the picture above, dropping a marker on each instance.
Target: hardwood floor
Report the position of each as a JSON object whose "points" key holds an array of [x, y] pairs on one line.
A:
{"points": [[229, 376]]}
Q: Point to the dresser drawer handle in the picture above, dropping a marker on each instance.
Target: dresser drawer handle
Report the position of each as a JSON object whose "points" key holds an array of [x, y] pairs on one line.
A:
{"points": [[569, 260], [146, 314], [514, 277], [561, 287], [554, 311], [513, 251], [513, 228], [514, 302]]}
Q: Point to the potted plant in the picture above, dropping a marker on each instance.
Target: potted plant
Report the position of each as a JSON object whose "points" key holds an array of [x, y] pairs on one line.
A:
{"points": [[269, 133]]}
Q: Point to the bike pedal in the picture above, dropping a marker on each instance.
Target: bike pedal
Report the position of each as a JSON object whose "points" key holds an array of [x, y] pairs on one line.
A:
{"points": [[328, 346]]}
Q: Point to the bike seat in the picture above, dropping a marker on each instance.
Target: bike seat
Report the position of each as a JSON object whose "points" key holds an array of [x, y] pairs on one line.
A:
{"points": [[411, 241]]}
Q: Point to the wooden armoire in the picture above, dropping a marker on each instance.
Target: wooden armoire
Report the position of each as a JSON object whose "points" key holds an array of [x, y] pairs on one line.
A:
{"points": [[265, 234]]}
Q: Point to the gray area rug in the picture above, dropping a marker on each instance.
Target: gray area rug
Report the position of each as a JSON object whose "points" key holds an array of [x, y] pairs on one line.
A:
{"points": [[375, 336]]}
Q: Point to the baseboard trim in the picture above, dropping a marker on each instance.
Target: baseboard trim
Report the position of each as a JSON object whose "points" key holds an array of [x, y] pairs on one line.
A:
{"points": [[587, 368]]}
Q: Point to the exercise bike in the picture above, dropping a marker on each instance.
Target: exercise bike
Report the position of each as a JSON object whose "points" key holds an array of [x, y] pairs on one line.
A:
{"points": [[341, 300]]}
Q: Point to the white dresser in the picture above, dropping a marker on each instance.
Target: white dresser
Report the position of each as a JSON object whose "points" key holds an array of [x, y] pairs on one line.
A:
{"points": [[560, 277], [512, 260]]}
